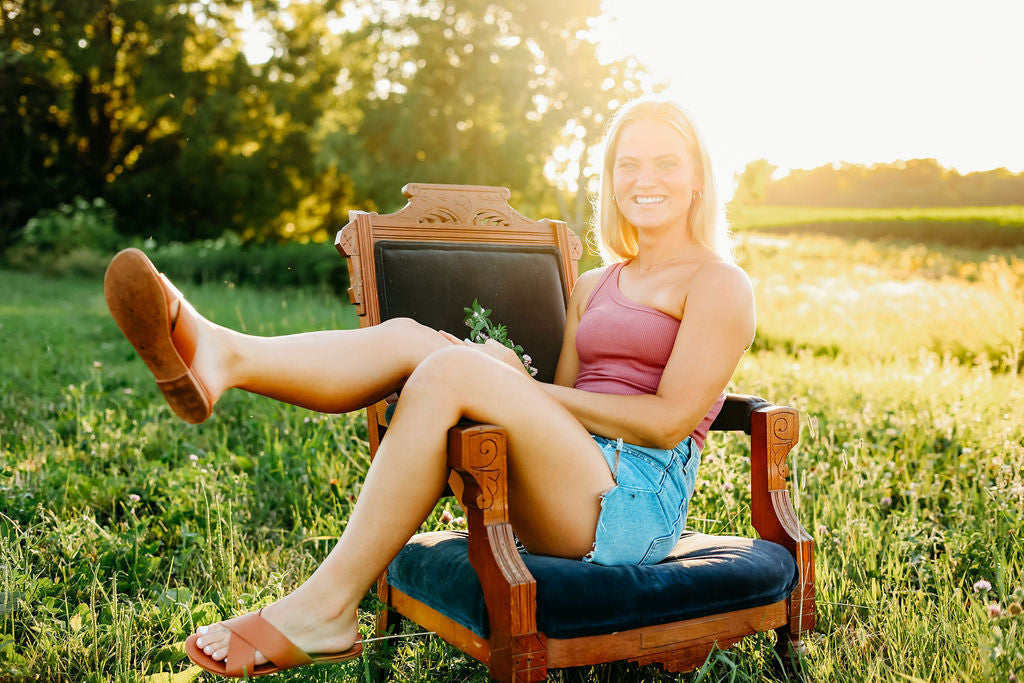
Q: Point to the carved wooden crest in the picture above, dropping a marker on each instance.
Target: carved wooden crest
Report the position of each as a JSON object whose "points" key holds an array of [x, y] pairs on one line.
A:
{"points": [[479, 205]]}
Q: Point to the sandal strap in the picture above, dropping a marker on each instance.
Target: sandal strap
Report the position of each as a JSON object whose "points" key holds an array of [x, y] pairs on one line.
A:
{"points": [[259, 634]]}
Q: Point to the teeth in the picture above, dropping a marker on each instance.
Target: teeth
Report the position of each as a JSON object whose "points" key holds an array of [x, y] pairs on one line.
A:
{"points": [[649, 200]]}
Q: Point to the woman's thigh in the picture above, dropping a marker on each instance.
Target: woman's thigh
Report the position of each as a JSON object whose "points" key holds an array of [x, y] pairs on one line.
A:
{"points": [[556, 471]]}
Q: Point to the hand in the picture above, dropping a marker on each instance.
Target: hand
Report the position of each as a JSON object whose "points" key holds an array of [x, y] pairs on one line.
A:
{"points": [[500, 352], [492, 348]]}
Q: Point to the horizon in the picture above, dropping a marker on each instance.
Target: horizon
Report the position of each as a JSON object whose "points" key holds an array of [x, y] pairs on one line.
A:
{"points": [[802, 84]]}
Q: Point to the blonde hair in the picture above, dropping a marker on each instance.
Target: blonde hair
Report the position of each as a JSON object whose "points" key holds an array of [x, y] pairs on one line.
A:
{"points": [[617, 237]]}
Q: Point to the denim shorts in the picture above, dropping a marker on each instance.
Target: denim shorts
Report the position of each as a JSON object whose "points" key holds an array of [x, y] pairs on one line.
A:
{"points": [[644, 513]]}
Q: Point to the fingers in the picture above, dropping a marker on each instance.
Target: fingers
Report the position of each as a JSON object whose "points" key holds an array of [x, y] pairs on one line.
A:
{"points": [[451, 337]]}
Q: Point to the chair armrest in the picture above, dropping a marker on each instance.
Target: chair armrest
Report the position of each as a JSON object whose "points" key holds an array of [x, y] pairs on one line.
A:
{"points": [[736, 412], [478, 453], [774, 430]]}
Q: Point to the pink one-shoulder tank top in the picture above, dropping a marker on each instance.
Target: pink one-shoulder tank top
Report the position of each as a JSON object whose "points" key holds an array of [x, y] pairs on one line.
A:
{"points": [[623, 346]]}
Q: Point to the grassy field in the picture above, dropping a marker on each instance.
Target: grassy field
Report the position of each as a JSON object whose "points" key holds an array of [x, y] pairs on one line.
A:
{"points": [[979, 227], [121, 528]]}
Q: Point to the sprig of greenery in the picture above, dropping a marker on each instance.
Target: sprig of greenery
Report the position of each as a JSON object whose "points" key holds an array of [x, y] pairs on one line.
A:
{"points": [[481, 329]]}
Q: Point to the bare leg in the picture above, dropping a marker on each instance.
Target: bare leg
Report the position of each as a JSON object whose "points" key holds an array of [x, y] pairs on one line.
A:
{"points": [[557, 474], [332, 372]]}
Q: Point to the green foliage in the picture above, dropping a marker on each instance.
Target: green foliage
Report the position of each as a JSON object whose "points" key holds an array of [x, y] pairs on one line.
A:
{"points": [[71, 238], [228, 261], [481, 329], [152, 106]]}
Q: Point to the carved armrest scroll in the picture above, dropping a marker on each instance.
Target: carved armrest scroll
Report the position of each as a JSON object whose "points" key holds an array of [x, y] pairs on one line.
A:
{"points": [[477, 453], [774, 431]]}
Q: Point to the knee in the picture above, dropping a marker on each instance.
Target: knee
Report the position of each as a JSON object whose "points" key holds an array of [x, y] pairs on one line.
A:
{"points": [[444, 370], [408, 327]]}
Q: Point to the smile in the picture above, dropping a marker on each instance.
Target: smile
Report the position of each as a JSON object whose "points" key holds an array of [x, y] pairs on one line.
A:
{"points": [[649, 199]]}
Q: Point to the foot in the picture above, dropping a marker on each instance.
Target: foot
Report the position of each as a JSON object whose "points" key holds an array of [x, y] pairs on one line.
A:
{"points": [[208, 345], [178, 345], [307, 623]]}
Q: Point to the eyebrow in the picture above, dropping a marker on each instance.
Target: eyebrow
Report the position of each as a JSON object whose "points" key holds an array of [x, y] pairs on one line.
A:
{"points": [[657, 158]]}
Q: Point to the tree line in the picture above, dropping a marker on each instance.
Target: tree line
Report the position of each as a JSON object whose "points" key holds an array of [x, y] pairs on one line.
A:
{"points": [[153, 107], [918, 182]]}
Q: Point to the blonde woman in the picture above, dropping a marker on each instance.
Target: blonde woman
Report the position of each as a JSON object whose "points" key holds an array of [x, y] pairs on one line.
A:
{"points": [[602, 462]]}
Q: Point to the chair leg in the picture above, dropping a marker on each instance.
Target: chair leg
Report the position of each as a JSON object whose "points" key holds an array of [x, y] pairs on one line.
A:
{"points": [[388, 620], [790, 651]]}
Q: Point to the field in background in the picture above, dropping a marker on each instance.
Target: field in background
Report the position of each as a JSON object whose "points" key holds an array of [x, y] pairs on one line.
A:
{"points": [[977, 227], [122, 528]]}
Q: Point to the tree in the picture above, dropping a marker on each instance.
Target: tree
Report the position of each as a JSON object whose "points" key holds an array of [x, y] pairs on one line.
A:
{"points": [[151, 105], [752, 183], [469, 91]]}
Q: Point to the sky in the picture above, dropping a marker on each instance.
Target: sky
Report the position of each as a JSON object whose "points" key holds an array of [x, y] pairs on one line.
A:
{"points": [[803, 84]]}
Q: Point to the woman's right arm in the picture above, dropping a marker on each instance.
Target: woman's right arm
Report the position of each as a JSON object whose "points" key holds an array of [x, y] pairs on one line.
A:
{"points": [[568, 362]]}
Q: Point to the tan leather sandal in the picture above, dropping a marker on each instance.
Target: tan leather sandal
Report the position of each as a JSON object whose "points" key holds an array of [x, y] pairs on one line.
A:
{"points": [[251, 632], [140, 297]]}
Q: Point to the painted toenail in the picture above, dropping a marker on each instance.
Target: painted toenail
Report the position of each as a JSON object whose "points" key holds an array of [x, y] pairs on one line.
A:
{"points": [[199, 642], [204, 629], [208, 649]]}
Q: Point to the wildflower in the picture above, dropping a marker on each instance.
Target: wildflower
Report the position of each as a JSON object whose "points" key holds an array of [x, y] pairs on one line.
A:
{"points": [[193, 457], [994, 610], [447, 517], [459, 521], [305, 420], [1014, 609], [982, 585], [527, 359], [97, 364], [134, 497], [886, 500], [128, 391], [822, 530], [727, 486], [334, 482]]}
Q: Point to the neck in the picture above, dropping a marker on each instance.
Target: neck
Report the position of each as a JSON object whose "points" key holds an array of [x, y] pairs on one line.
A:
{"points": [[653, 253]]}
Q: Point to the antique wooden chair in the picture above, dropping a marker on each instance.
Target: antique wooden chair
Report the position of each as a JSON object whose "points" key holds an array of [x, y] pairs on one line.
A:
{"points": [[522, 614]]}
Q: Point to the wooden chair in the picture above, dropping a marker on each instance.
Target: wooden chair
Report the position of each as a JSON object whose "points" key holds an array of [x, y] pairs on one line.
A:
{"points": [[523, 614]]}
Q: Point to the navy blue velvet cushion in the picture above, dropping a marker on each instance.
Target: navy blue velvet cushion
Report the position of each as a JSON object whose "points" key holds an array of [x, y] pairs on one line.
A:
{"points": [[703, 575]]}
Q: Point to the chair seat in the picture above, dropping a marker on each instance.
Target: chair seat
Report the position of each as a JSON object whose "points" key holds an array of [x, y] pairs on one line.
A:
{"points": [[703, 575]]}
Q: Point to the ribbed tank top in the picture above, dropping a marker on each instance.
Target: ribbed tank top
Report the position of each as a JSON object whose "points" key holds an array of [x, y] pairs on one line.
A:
{"points": [[623, 346]]}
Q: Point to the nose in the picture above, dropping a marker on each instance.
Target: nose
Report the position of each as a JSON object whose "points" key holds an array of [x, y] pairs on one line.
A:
{"points": [[646, 176]]}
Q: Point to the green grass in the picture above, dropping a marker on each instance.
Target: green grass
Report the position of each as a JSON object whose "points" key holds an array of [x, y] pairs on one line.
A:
{"points": [[980, 227], [903, 360]]}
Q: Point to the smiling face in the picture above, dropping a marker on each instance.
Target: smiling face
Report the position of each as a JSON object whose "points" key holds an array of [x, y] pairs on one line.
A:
{"points": [[654, 176]]}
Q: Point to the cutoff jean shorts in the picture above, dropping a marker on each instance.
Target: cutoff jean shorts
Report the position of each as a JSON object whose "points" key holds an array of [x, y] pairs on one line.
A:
{"points": [[644, 513]]}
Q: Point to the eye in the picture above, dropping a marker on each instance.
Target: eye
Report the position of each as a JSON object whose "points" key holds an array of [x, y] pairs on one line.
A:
{"points": [[668, 164], [626, 165]]}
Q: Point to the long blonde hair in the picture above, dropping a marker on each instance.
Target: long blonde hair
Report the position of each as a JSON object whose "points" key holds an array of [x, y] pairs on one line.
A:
{"points": [[617, 237]]}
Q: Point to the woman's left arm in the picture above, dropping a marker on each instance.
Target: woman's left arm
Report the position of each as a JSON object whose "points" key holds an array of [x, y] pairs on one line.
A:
{"points": [[717, 327]]}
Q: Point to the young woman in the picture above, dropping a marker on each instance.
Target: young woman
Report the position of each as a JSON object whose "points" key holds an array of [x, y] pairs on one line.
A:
{"points": [[602, 462]]}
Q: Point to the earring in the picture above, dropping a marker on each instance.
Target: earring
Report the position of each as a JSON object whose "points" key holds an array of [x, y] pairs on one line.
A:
{"points": [[698, 194]]}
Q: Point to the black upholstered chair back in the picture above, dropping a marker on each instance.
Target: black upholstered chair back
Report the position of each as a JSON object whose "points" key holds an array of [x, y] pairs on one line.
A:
{"points": [[523, 285]]}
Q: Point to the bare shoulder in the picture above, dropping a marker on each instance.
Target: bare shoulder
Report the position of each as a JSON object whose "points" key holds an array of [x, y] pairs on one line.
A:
{"points": [[585, 285], [723, 279], [721, 296]]}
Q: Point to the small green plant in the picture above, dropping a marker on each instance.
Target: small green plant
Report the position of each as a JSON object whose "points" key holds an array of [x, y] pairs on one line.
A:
{"points": [[481, 329], [74, 238]]}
